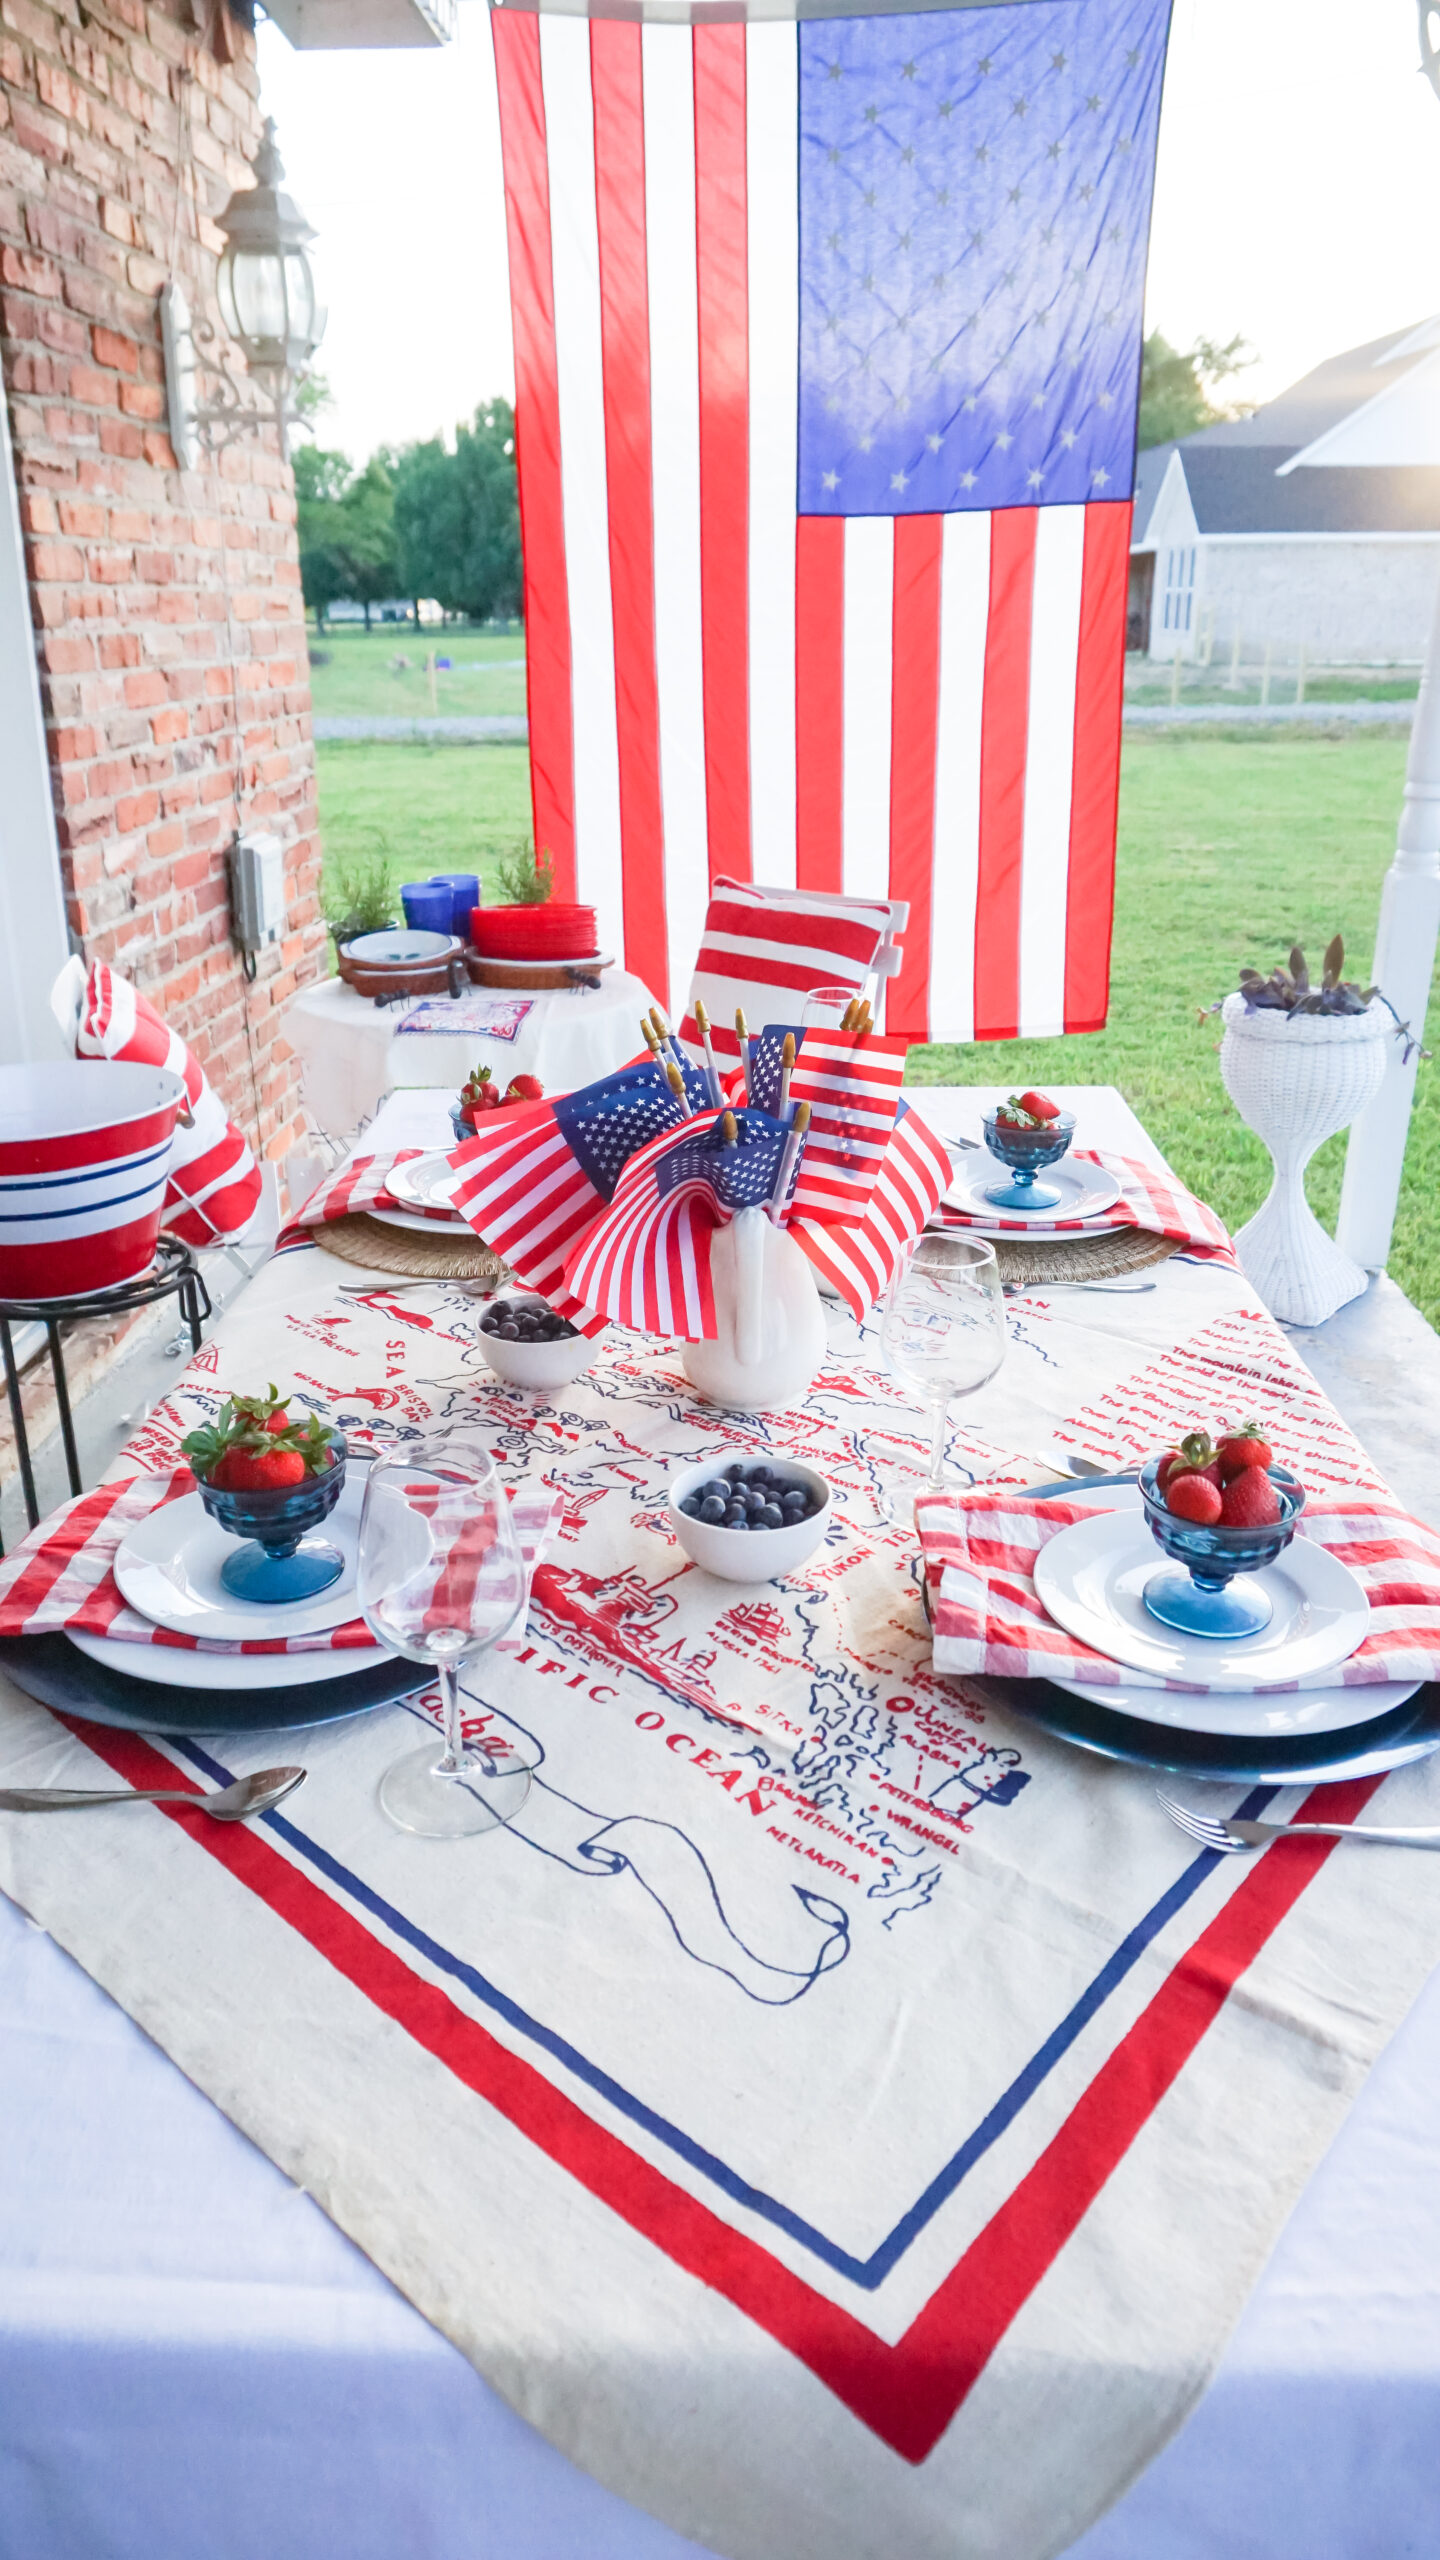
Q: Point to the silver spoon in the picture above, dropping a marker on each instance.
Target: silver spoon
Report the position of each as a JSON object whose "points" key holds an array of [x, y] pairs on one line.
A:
{"points": [[254, 1794], [391, 1288]]}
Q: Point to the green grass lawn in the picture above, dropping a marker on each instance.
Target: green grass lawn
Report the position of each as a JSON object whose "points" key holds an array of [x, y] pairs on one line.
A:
{"points": [[384, 671], [424, 808], [1231, 848]]}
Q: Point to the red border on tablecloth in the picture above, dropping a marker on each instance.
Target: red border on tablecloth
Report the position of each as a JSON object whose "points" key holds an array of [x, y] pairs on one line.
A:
{"points": [[908, 2393]]}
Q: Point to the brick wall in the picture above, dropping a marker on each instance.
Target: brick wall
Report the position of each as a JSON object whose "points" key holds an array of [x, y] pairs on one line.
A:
{"points": [[166, 603]]}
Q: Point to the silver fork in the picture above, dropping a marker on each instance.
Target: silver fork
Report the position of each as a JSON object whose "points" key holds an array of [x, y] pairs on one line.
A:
{"points": [[1213, 1833]]}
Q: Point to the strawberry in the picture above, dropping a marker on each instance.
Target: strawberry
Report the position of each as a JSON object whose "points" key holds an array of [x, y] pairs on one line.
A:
{"points": [[1250, 1500], [253, 1446], [1195, 1456], [525, 1089], [258, 1471], [1246, 1447], [1039, 1106], [1193, 1497]]}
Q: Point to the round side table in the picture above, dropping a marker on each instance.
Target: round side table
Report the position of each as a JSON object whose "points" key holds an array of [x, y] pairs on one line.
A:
{"points": [[173, 1274]]}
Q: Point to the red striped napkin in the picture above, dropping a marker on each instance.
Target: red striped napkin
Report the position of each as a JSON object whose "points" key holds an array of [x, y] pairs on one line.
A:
{"points": [[1147, 1199], [62, 1577], [359, 1183], [980, 1551]]}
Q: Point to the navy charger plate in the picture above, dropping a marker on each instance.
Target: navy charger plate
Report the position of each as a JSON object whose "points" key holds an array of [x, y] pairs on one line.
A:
{"points": [[53, 1670], [1408, 1732]]}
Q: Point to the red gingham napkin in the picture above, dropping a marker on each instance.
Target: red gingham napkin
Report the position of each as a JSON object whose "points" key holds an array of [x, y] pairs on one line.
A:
{"points": [[980, 1550], [1146, 1200], [359, 1183], [61, 1577]]}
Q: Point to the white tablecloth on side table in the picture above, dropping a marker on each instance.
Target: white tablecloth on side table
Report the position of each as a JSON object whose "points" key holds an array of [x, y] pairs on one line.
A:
{"points": [[353, 1052], [194, 2360]]}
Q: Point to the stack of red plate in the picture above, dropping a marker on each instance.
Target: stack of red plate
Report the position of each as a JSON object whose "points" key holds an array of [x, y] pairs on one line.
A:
{"points": [[554, 931]]}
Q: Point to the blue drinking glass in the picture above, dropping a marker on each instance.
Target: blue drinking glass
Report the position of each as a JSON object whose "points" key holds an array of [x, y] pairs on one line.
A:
{"points": [[1026, 1152], [1207, 1589], [280, 1560], [429, 905], [464, 887]]}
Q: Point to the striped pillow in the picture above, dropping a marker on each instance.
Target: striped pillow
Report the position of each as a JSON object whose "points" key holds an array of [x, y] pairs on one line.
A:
{"points": [[214, 1187], [764, 949]]}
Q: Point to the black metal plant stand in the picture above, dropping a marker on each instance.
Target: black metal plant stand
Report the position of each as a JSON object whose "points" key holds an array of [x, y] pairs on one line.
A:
{"points": [[173, 1274]]}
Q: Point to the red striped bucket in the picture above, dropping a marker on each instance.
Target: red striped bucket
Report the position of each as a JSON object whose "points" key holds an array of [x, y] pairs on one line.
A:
{"points": [[84, 1158]]}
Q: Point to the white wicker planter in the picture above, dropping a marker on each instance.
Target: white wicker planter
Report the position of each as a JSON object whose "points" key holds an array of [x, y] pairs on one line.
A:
{"points": [[1296, 1079]]}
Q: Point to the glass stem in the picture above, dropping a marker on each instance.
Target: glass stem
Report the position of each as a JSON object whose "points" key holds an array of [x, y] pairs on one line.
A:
{"points": [[939, 1435], [454, 1754]]}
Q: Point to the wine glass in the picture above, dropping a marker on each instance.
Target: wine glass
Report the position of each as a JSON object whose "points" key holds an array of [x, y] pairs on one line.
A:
{"points": [[943, 1333], [440, 1578]]}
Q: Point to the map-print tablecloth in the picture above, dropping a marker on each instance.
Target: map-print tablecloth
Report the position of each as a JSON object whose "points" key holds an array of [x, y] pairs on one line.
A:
{"points": [[850, 2136]]}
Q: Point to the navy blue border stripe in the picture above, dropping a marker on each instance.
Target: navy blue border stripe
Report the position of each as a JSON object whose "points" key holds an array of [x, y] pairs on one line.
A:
{"points": [[114, 1166], [871, 2272]]}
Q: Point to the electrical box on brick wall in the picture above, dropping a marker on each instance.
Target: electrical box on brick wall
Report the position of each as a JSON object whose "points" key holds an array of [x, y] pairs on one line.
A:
{"points": [[257, 890]]}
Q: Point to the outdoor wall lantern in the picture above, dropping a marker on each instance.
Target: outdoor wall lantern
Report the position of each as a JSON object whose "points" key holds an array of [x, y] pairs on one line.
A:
{"points": [[270, 311]]}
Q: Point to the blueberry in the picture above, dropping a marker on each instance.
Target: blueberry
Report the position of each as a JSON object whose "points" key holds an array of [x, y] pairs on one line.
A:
{"points": [[716, 1489], [755, 1497], [772, 1517], [712, 1509], [761, 1475], [737, 1517], [507, 1332], [734, 1473], [796, 1505], [690, 1507]]}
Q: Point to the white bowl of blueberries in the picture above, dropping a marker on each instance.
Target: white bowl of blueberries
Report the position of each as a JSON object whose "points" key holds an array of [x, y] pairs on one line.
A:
{"points": [[749, 1521], [528, 1345]]}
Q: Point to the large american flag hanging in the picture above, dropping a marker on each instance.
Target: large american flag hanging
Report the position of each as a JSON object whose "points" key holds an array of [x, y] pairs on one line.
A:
{"points": [[827, 340]]}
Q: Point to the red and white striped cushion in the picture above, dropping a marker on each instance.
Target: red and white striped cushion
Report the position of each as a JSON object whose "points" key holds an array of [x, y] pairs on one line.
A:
{"points": [[764, 949], [214, 1185]]}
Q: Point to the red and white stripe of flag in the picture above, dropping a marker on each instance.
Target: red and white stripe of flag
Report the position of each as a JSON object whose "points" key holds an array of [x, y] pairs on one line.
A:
{"points": [[860, 1261], [646, 1262], [851, 1081], [530, 1201], [922, 707]]}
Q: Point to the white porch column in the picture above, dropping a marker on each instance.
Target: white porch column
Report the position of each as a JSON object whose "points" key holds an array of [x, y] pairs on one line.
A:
{"points": [[1404, 960], [34, 944]]}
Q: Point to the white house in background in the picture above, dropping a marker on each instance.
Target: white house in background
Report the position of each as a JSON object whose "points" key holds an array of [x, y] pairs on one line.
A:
{"points": [[1339, 558]]}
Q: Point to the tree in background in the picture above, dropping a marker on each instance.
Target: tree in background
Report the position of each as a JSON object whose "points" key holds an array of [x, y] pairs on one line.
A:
{"points": [[457, 519], [346, 525], [1176, 389]]}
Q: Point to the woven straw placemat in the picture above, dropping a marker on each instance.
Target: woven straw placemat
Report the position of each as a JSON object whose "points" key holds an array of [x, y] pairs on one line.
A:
{"points": [[375, 1247], [1059, 1258]]}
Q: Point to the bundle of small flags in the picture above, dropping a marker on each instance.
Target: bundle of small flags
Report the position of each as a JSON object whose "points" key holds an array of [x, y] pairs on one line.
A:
{"points": [[606, 1201]]}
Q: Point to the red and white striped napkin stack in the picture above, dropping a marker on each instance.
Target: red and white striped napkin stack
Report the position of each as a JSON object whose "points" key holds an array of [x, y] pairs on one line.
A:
{"points": [[980, 1551], [62, 1577], [1147, 1199], [359, 1183]]}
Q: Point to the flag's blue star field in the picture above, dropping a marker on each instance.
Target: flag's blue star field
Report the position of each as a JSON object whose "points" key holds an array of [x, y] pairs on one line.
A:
{"points": [[741, 1176], [607, 1124], [974, 211]]}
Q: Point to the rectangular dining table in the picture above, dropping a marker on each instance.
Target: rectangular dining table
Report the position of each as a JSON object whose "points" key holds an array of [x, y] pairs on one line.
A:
{"points": [[194, 2360]]}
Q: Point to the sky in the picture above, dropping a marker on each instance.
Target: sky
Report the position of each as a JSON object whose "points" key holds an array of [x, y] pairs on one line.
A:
{"points": [[1296, 202]]}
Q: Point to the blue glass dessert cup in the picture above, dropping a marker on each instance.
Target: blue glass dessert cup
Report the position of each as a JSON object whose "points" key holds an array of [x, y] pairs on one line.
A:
{"points": [[1027, 1152], [280, 1559], [1209, 1586]]}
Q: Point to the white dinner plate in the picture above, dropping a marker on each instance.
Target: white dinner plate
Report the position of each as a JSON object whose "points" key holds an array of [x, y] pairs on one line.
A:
{"points": [[1294, 1711], [410, 1221], [169, 1569], [425, 1183], [1085, 1191], [1091, 1576], [178, 1670]]}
